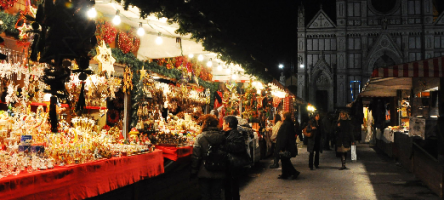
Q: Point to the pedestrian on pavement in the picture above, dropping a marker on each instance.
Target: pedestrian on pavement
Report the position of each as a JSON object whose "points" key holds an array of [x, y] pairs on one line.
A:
{"points": [[234, 144], [210, 182], [314, 143], [286, 141], [344, 136], [274, 130]]}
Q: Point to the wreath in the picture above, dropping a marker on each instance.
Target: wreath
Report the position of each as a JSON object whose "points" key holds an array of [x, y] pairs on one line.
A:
{"points": [[113, 116]]}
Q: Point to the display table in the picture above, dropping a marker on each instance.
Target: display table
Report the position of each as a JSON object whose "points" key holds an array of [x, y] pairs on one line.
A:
{"points": [[83, 180], [173, 153]]}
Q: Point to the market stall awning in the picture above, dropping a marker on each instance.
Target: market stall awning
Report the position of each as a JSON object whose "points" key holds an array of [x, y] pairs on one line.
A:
{"points": [[385, 81], [433, 67]]}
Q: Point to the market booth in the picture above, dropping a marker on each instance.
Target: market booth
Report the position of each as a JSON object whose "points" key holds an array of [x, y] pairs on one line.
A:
{"points": [[402, 116], [119, 118]]}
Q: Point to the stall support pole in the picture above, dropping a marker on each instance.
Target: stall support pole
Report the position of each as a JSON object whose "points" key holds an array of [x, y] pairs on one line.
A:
{"points": [[441, 130]]}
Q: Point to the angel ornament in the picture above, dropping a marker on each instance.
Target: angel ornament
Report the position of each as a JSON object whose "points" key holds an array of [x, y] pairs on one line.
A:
{"points": [[11, 96]]}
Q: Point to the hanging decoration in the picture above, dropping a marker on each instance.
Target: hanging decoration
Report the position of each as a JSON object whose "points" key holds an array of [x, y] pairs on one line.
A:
{"points": [[5, 4], [276, 101], [23, 31], [105, 31], [128, 80], [124, 42], [59, 43], [135, 44], [105, 58]]}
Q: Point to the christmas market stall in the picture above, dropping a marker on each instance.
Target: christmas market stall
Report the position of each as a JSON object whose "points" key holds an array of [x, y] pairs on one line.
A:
{"points": [[402, 114]]}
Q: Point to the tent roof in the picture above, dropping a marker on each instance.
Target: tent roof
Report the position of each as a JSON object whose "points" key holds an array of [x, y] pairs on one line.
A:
{"points": [[384, 82]]}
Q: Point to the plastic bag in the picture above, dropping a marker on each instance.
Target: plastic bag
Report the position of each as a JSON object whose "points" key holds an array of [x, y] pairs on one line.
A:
{"points": [[354, 157]]}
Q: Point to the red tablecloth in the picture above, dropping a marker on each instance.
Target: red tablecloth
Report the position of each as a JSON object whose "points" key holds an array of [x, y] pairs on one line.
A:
{"points": [[173, 153], [83, 180]]}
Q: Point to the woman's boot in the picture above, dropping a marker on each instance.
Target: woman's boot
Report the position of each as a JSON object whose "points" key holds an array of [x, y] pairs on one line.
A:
{"points": [[343, 162]]}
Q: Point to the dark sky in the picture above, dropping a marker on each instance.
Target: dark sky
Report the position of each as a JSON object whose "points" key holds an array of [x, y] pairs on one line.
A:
{"points": [[270, 27]]}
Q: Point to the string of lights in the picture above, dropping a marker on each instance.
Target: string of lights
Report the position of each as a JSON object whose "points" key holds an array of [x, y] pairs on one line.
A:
{"points": [[230, 70]]}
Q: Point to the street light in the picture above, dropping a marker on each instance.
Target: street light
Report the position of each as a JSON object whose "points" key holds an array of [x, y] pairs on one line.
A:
{"points": [[281, 66]]}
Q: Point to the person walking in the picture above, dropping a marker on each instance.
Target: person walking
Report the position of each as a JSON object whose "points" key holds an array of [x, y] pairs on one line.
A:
{"points": [[234, 144], [344, 136], [314, 143], [210, 182], [286, 141], [274, 130]]}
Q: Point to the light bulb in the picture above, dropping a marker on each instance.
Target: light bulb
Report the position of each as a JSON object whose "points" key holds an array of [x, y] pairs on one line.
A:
{"points": [[200, 57], [140, 31], [190, 55], [281, 66], [234, 76], [92, 13], [219, 68], [302, 66], [159, 40], [209, 63], [228, 70], [116, 19]]}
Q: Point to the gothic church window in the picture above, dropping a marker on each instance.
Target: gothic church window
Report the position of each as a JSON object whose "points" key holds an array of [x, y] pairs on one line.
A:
{"points": [[354, 43], [414, 42], [354, 60], [310, 44], [353, 9], [414, 7], [439, 42], [414, 56]]}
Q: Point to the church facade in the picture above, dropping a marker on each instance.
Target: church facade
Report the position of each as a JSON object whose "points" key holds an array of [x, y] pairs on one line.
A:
{"points": [[336, 57]]}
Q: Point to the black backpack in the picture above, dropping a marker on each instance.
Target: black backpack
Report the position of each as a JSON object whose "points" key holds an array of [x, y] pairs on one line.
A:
{"points": [[215, 159]]}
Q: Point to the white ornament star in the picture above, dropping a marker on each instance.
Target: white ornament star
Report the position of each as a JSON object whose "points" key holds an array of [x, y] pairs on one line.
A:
{"points": [[22, 31], [105, 58]]}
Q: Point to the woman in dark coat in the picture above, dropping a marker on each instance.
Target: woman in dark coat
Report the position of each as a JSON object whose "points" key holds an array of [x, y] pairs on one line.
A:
{"points": [[314, 143], [286, 141], [344, 136], [210, 183]]}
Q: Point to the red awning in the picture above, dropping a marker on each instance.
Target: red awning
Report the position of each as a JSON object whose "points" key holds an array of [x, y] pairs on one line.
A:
{"points": [[433, 67]]}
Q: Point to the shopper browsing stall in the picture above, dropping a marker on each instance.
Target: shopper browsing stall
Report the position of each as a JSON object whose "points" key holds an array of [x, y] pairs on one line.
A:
{"points": [[210, 182]]}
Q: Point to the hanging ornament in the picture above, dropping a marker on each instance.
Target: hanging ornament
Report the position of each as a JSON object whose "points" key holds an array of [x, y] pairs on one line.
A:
{"points": [[142, 72], [23, 31], [106, 31], [127, 80], [135, 45], [124, 42], [105, 58], [5, 4], [259, 102]]}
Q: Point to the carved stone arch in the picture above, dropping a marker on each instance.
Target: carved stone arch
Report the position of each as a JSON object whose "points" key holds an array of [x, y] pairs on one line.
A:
{"points": [[384, 45], [322, 68], [378, 54]]}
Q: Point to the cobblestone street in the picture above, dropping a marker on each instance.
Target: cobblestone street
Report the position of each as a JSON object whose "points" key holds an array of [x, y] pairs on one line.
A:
{"points": [[372, 176]]}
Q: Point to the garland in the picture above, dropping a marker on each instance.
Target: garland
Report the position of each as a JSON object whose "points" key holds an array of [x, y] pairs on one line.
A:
{"points": [[8, 25]]}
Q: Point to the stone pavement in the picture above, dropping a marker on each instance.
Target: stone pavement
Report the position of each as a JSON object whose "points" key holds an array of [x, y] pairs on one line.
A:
{"points": [[372, 176]]}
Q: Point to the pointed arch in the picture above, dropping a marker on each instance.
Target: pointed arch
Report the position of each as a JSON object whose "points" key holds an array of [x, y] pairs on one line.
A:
{"points": [[383, 46]]}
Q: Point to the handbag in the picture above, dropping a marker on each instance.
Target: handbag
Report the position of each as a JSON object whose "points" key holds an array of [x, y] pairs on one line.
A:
{"points": [[237, 161], [353, 153], [306, 134], [285, 154]]}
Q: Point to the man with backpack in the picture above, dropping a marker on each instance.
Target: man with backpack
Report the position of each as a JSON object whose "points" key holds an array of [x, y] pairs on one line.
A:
{"points": [[209, 162], [234, 144]]}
